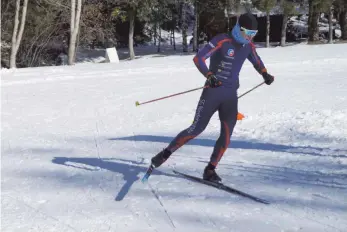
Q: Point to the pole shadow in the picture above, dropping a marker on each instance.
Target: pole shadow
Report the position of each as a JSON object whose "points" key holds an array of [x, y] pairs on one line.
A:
{"points": [[130, 170]]}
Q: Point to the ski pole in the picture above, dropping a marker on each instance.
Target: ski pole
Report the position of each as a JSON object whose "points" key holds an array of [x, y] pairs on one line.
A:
{"points": [[158, 99], [239, 115], [251, 90], [138, 104]]}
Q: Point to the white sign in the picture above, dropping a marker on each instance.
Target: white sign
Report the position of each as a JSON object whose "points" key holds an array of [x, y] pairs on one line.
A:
{"points": [[112, 55]]}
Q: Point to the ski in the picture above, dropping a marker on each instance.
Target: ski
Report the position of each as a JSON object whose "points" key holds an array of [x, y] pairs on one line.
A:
{"points": [[222, 187], [147, 174]]}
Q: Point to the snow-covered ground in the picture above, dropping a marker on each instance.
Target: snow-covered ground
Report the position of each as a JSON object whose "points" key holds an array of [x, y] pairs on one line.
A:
{"points": [[73, 147]]}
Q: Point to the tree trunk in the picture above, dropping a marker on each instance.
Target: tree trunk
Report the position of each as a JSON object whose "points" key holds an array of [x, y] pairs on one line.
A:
{"points": [[313, 17], [284, 29], [159, 39], [331, 25], [268, 29], [173, 32], [14, 36], [173, 36], [184, 27], [131, 33], [0, 36], [155, 33], [74, 28], [343, 24], [196, 27], [72, 44], [17, 35], [172, 27]]}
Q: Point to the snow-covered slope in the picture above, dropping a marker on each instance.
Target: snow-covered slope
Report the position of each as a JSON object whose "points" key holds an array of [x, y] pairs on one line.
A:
{"points": [[73, 147]]}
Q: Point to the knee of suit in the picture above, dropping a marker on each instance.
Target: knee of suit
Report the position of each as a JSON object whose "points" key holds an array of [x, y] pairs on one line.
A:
{"points": [[228, 125], [196, 129]]}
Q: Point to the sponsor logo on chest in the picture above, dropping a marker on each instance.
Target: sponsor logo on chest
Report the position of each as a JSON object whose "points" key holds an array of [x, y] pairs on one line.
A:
{"points": [[230, 52]]}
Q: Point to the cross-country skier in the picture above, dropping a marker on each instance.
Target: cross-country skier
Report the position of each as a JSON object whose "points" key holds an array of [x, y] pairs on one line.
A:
{"points": [[227, 53]]}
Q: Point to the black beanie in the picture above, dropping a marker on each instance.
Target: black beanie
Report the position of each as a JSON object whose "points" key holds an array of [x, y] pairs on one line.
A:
{"points": [[248, 21]]}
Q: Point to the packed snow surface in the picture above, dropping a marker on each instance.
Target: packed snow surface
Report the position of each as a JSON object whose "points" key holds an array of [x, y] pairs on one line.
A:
{"points": [[74, 147]]}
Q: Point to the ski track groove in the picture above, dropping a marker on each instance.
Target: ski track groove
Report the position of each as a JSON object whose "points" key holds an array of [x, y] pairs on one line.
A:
{"points": [[99, 157], [162, 205], [210, 219], [130, 208], [144, 213]]}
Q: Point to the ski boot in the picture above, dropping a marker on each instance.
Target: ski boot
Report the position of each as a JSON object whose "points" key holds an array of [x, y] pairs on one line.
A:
{"points": [[161, 157], [210, 174]]}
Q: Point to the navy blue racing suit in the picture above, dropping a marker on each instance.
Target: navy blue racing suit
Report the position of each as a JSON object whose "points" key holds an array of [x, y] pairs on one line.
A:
{"points": [[226, 60]]}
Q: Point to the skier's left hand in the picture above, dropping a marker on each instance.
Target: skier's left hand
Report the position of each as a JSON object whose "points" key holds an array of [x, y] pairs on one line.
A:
{"points": [[212, 81], [268, 78]]}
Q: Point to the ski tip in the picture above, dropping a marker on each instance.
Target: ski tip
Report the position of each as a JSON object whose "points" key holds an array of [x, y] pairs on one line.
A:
{"points": [[144, 179], [265, 202], [147, 174]]}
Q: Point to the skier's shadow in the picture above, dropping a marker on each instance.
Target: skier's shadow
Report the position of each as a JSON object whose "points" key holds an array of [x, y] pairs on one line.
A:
{"points": [[130, 169], [241, 144]]}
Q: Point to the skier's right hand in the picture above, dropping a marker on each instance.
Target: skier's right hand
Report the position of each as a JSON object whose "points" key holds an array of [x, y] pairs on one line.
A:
{"points": [[212, 81]]}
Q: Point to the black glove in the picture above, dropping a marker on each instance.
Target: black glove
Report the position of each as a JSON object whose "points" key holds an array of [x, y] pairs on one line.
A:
{"points": [[212, 81], [268, 78]]}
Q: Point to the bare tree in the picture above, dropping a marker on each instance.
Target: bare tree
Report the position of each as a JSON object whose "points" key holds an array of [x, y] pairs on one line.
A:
{"points": [[313, 30], [196, 26], [266, 5], [159, 40], [0, 36], [18, 33], [343, 23], [129, 10], [74, 28], [173, 35], [288, 9], [316, 7], [340, 7], [174, 10], [184, 26], [131, 15], [331, 13]]}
